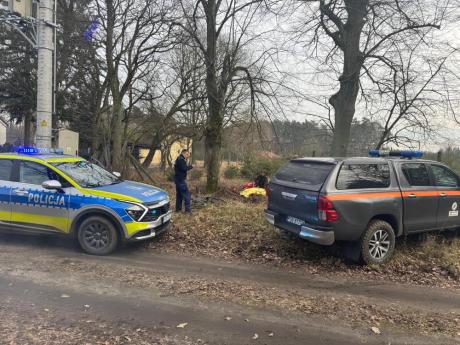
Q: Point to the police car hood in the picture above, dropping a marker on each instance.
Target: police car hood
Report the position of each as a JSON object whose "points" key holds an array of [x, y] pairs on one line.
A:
{"points": [[130, 191]]}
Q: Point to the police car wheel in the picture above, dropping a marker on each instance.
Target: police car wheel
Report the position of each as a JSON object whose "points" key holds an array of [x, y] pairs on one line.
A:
{"points": [[97, 236], [377, 243]]}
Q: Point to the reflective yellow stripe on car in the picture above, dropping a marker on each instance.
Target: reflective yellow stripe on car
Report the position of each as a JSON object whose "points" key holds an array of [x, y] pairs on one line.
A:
{"points": [[64, 160], [109, 195], [59, 223]]}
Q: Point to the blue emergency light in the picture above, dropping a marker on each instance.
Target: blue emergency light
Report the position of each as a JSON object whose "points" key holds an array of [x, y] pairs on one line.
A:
{"points": [[403, 154], [26, 150]]}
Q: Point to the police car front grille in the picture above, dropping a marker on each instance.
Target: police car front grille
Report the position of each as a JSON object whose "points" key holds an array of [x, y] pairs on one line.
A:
{"points": [[155, 212]]}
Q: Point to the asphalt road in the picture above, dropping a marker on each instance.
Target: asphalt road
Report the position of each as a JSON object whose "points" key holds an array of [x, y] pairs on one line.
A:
{"points": [[50, 293]]}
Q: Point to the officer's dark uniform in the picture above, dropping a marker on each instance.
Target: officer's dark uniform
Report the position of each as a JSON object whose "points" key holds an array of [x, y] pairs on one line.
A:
{"points": [[180, 178]]}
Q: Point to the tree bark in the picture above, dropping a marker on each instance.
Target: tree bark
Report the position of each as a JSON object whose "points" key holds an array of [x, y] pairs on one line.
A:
{"points": [[154, 146], [345, 99], [27, 129], [213, 130], [116, 157], [213, 157]]}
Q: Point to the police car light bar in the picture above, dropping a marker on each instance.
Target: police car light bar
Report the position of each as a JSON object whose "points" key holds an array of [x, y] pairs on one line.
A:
{"points": [[403, 154], [38, 150]]}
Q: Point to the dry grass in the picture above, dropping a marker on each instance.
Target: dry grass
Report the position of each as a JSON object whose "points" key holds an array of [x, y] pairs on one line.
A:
{"points": [[235, 229]]}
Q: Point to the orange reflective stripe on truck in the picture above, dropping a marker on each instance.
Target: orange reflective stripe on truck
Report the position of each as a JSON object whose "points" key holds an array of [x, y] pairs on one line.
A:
{"points": [[387, 195], [353, 196]]}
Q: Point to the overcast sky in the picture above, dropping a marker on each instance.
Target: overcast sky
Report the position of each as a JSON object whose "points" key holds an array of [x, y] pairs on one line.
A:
{"points": [[306, 80]]}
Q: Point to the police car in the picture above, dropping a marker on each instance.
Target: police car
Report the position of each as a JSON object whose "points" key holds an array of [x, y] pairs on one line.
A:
{"points": [[45, 191], [364, 200]]}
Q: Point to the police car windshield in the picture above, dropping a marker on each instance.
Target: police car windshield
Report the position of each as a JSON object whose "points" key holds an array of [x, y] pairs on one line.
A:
{"points": [[86, 174]]}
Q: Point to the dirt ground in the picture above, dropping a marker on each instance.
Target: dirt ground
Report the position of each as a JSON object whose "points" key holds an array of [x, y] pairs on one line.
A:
{"points": [[224, 276], [51, 293]]}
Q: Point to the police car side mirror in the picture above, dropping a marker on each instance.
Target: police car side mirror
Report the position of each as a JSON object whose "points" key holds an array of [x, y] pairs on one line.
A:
{"points": [[52, 184], [117, 174]]}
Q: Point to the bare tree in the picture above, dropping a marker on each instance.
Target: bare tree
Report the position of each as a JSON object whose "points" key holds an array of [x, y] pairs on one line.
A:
{"points": [[174, 102], [134, 32], [409, 98], [362, 35], [221, 30]]}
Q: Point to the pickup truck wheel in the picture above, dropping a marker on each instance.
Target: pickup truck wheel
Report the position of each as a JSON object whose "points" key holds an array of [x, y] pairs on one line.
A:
{"points": [[377, 243], [97, 236]]}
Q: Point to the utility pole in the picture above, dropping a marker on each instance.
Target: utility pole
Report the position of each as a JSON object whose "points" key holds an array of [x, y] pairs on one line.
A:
{"points": [[45, 45]]}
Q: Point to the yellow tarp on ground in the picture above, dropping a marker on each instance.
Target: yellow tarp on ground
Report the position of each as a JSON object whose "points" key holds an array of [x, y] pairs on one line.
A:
{"points": [[253, 191]]}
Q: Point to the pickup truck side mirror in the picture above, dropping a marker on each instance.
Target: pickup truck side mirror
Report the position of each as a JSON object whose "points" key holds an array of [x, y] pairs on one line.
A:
{"points": [[52, 185]]}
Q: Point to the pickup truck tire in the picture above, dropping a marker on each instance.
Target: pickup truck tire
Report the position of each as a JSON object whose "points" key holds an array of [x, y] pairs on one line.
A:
{"points": [[377, 243], [97, 235]]}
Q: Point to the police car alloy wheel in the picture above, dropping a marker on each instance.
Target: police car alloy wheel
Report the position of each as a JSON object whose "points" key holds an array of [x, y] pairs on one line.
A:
{"points": [[97, 236], [377, 243]]}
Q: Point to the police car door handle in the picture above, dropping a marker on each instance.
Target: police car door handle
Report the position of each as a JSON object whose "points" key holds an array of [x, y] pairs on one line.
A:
{"points": [[442, 195], [21, 191], [412, 196]]}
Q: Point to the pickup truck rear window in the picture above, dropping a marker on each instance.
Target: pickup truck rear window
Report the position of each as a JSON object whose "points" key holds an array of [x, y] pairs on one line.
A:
{"points": [[310, 174], [360, 176]]}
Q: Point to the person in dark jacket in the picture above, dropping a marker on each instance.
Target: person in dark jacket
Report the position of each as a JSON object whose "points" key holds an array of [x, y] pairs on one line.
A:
{"points": [[181, 167]]}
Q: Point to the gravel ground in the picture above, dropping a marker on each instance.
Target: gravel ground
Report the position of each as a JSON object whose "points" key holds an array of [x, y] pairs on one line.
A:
{"points": [[355, 304]]}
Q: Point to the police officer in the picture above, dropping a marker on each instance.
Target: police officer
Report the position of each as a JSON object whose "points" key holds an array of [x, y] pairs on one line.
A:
{"points": [[181, 167]]}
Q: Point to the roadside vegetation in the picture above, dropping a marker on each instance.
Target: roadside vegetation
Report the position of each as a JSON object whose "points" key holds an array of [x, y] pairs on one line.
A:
{"points": [[233, 228]]}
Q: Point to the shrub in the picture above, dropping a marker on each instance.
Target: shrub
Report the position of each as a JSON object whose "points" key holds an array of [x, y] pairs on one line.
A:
{"points": [[254, 166], [196, 174], [231, 172]]}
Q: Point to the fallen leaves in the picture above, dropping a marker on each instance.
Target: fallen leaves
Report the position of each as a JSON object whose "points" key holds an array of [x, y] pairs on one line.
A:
{"points": [[376, 330]]}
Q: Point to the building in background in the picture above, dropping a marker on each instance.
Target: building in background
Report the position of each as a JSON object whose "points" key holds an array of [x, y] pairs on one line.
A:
{"points": [[174, 152], [68, 141], [25, 8]]}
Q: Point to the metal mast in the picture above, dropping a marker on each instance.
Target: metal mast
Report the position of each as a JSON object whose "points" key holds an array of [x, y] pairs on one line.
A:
{"points": [[45, 45]]}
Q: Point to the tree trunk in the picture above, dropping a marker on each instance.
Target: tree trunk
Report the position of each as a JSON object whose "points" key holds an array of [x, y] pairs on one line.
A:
{"points": [[27, 129], [116, 156], [148, 160], [213, 131], [213, 157], [344, 106], [117, 136], [345, 99], [154, 146]]}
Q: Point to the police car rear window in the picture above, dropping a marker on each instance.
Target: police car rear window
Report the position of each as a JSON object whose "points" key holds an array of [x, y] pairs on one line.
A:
{"points": [[310, 174], [360, 176]]}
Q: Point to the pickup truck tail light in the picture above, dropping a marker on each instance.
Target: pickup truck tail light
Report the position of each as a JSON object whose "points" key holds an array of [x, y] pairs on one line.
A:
{"points": [[326, 210]]}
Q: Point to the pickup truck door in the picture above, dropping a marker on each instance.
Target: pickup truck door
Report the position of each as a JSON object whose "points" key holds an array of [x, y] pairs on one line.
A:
{"points": [[447, 187], [420, 197]]}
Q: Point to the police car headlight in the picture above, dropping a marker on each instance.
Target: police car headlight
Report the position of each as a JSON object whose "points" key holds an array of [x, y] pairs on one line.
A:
{"points": [[136, 212]]}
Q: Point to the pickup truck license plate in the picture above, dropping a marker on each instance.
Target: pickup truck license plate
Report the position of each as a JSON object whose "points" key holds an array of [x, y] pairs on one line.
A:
{"points": [[294, 220]]}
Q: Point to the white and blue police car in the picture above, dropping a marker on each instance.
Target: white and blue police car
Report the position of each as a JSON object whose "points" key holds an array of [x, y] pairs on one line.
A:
{"points": [[45, 191]]}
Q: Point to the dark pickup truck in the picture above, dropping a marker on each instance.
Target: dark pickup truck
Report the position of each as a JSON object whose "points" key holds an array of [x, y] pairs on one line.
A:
{"points": [[368, 200]]}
